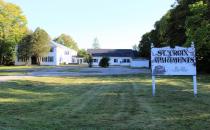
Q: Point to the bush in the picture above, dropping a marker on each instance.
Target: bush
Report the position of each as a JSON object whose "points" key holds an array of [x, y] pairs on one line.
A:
{"points": [[104, 62]]}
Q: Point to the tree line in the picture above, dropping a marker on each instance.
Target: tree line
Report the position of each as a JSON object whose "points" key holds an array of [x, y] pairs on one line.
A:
{"points": [[187, 21], [16, 37]]}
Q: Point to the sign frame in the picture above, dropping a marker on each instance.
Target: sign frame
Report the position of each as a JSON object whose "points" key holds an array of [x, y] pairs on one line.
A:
{"points": [[193, 74]]}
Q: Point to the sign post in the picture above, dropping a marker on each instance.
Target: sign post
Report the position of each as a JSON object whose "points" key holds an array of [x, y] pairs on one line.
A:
{"points": [[195, 86], [173, 61], [153, 86]]}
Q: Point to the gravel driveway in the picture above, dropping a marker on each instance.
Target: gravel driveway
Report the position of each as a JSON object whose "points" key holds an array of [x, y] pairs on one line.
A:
{"points": [[85, 71], [75, 71]]}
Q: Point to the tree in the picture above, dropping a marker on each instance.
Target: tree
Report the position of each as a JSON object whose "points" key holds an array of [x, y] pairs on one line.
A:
{"points": [[162, 27], [89, 60], [12, 29], [67, 41], [176, 29], [198, 30], [145, 46], [198, 16], [145, 43], [40, 44], [87, 57], [24, 50], [96, 44], [104, 62], [135, 47], [187, 21], [82, 53]]}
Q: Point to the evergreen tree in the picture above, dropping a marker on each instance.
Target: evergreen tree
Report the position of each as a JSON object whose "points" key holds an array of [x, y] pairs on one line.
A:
{"points": [[104, 62], [40, 44], [96, 44], [24, 50]]}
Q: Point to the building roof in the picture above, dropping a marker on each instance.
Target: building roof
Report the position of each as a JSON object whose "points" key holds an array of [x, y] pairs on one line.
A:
{"points": [[60, 45], [111, 52]]}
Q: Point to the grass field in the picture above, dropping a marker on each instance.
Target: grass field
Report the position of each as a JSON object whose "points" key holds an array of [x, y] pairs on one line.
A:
{"points": [[23, 70], [20, 70], [111, 102]]}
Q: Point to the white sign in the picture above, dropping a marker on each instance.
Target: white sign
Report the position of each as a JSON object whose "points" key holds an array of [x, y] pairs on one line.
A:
{"points": [[173, 61]]}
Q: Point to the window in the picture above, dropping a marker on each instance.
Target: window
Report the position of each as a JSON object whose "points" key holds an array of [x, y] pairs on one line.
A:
{"points": [[73, 60], [80, 61], [48, 59], [22, 59], [115, 60], [126, 61], [44, 59], [95, 60], [51, 49], [66, 53]]}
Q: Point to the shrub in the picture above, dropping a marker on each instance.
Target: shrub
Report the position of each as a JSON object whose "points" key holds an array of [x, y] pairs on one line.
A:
{"points": [[104, 62]]}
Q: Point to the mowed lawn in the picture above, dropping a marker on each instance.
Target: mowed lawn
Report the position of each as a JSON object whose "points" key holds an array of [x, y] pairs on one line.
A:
{"points": [[21, 70], [110, 102]]}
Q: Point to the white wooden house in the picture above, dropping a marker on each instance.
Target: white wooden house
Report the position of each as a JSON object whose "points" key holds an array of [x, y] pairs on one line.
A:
{"points": [[59, 54], [118, 57]]}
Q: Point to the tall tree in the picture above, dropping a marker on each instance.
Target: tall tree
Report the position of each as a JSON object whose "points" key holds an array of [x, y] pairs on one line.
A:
{"points": [[40, 44], [82, 53], [135, 47], [198, 30], [12, 29], [24, 49], [87, 57], [187, 21], [67, 41], [96, 44]]}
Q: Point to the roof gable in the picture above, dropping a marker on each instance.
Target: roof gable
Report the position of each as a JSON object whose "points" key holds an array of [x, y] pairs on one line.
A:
{"points": [[55, 44]]}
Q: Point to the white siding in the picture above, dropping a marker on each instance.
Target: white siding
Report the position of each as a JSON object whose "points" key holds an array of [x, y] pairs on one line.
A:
{"points": [[65, 55], [96, 59], [51, 54], [140, 63], [112, 63], [121, 62], [60, 54]]}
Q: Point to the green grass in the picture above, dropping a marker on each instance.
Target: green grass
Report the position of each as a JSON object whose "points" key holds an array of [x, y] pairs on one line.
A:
{"points": [[16, 68], [11, 73], [111, 102], [20, 67], [20, 70]]}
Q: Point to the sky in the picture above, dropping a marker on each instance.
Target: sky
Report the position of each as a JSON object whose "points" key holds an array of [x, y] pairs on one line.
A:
{"points": [[115, 23]]}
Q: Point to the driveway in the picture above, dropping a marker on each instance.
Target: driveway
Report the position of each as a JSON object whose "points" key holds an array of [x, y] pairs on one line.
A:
{"points": [[43, 71], [85, 71]]}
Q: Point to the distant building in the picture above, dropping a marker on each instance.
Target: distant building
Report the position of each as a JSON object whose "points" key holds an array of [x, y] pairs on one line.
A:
{"points": [[59, 54], [118, 57]]}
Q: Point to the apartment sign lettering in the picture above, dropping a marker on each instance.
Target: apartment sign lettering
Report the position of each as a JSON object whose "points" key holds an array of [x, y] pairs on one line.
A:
{"points": [[173, 61]]}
